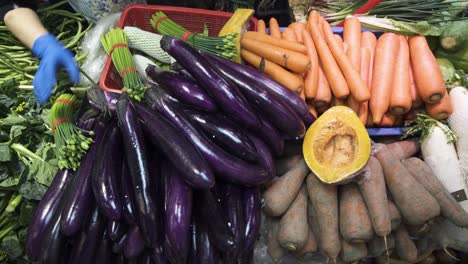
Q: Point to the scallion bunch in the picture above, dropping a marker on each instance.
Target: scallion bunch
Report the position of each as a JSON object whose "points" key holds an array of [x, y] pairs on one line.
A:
{"points": [[224, 46], [71, 142], [115, 43]]}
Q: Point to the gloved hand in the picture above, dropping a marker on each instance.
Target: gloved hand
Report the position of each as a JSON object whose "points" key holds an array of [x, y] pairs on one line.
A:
{"points": [[54, 56]]}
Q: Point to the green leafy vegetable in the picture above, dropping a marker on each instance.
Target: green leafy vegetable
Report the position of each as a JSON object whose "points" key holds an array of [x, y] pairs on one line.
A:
{"points": [[405, 28], [422, 126]]}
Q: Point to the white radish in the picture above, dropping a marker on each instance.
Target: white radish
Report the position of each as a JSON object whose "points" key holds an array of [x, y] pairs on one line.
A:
{"points": [[438, 151], [458, 122]]}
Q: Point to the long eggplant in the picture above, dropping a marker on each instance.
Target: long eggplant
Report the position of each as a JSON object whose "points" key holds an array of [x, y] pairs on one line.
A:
{"points": [[183, 89], [224, 133], [118, 245], [280, 114], [176, 67], [213, 220], [206, 253], [106, 173], [228, 167], [266, 83], [84, 251], [265, 158], [272, 136], [53, 243], [192, 256], [234, 213], [44, 213], [79, 199], [116, 229], [176, 147], [128, 196], [157, 254], [178, 205], [309, 119], [145, 258], [101, 100], [134, 244], [135, 155], [223, 90], [252, 211], [156, 166], [104, 251]]}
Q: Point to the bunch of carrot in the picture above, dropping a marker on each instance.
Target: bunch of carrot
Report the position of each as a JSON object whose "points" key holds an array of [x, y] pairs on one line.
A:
{"points": [[309, 219], [384, 79]]}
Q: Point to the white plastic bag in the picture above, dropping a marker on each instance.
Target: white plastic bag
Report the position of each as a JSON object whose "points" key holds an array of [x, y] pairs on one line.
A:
{"points": [[95, 10]]}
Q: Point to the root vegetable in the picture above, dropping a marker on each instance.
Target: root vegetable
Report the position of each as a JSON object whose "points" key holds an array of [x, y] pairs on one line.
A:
{"points": [[293, 230]]}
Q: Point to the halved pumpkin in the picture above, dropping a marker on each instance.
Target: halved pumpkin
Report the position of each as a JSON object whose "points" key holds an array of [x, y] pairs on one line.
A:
{"points": [[336, 146]]}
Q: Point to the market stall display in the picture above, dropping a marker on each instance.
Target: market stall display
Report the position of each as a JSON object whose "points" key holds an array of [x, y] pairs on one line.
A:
{"points": [[218, 138]]}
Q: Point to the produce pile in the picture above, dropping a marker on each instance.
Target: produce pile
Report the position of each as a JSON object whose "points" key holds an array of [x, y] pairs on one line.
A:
{"points": [[386, 78], [183, 160], [172, 163]]}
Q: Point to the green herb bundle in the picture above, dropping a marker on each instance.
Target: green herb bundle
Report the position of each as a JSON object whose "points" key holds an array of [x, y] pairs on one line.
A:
{"points": [[224, 46]]}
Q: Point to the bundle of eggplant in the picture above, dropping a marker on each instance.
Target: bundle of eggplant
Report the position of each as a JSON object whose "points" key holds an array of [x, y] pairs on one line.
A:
{"points": [[176, 177]]}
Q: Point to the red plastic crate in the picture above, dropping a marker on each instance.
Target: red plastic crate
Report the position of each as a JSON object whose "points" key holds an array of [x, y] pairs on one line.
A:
{"points": [[190, 18]]}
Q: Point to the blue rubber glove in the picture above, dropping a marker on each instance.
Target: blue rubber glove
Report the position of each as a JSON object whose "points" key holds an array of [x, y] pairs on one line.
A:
{"points": [[54, 56]]}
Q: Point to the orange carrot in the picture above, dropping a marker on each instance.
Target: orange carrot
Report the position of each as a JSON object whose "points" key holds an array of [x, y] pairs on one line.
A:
{"points": [[339, 40], [302, 94], [323, 96], [427, 75], [274, 28], [353, 78], [298, 27], [369, 41], [292, 60], [364, 112], [352, 36], [388, 120], [261, 26], [276, 72], [440, 110], [289, 35], [294, 46], [365, 65], [331, 69], [313, 19], [382, 75], [400, 100], [416, 100], [312, 110], [312, 75]]}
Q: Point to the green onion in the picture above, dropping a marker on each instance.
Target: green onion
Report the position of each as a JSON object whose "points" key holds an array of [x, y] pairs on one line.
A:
{"points": [[70, 141], [224, 46], [115, 42]]}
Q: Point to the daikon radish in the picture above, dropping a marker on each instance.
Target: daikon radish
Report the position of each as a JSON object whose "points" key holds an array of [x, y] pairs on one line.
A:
{"points": [[439, 152], [458, 122]]}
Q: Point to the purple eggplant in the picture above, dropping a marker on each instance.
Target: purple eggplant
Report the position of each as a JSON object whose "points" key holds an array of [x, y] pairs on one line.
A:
{"points": [[267, 83], [213, 220], [224, 133], [156, 165], [265, 158], [234, 212], [157, 254], [145, 258], [192, 256], [309, 119], [227, 166], [101, 100], [178, 205], [183, 89], [104, 251], [106, 173], [54, 241], [84, 251], [206, 253], [134, 244], [176, 67], [118, 245], [272, 136], [135, 155], [252, 211], [176, 147], [128, 196], [223, 90], [280, 114], [78, 200], [45, 211], [116, 229]]}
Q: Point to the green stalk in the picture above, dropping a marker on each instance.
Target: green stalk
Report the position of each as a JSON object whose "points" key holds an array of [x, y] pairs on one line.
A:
{"points": [[13, 204], [5, 231]]}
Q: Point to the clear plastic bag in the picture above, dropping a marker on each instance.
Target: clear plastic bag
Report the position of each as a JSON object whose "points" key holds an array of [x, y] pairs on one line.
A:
{"points": [[94, 10]]}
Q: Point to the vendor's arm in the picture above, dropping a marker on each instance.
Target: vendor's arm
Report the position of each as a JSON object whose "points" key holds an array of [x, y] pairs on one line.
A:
{"points": [[24, 23]]}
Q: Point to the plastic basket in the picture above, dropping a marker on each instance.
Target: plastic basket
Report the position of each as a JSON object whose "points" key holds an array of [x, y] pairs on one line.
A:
{"points": [[190, 18]]}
